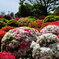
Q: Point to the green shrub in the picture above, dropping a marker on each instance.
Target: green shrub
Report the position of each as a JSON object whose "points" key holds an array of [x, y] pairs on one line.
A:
{"points": [[2, 24], [13, 22], [51, 18], [4, 20]]}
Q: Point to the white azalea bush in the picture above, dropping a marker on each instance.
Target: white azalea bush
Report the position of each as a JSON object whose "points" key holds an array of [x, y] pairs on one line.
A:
{"points": [[46, 47]]}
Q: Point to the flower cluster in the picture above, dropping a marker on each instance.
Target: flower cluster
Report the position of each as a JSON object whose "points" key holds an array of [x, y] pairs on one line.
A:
{"points": [[6, 55]]}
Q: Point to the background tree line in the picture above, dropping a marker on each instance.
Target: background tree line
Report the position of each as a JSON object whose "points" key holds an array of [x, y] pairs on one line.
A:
{"points": [[36, 7]]}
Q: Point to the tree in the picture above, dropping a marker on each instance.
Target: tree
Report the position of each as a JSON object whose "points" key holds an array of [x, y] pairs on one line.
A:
{"points": [[23, 10], [48, 4], [56, 10], [12, 14]]}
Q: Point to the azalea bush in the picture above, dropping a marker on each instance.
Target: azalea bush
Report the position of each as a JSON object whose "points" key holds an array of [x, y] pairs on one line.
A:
{"points": [[45, 24], [2, 33], [26, 21], [7, 28], [18, 41], [36, 24], [51, 18], [6, 55]]}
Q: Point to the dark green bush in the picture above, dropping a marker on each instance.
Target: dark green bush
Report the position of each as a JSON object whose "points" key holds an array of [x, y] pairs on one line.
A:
{"points": [[51, 18], [2, 24], [7, 17]]}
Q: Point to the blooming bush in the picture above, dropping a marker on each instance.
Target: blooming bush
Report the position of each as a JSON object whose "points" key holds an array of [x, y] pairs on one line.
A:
{"points": [[26, 21], [50, 29], [16, 19], [6, 55], [36, 24], [46, 46], [18, 40], [55, 23], [7, 28]]}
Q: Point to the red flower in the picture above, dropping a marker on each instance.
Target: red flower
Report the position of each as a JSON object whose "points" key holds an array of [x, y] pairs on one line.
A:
{"points": [[7, 28], [6, 55]]}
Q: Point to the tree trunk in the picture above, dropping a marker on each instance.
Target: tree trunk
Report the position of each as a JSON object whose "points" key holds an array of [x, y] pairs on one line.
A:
{"points": [[46, 13]]}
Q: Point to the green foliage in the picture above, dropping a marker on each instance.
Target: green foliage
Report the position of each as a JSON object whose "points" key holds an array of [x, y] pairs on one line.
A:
{"points": [[13, 22], [24, 11], [56, 10], [47, 3], [38, 10], [51, 18], [3, 22]]}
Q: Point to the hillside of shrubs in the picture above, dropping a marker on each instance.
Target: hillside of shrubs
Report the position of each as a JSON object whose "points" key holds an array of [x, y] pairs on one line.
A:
{"points": [[29, 37]]}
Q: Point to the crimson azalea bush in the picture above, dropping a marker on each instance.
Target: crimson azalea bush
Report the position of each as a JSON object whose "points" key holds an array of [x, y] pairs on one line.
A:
{"points": [[7, 28], [16, 19], [6, 55], [55, 23]]}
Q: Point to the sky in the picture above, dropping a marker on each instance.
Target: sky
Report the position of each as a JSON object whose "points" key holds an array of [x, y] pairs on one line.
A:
{"points": [[9, 5]]}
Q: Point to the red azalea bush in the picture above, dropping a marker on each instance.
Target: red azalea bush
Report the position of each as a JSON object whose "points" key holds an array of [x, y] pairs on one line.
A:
{"points": [[6, 55], [2, 33], [16, 18], [42, 17], [7, 28], [55, 23]]}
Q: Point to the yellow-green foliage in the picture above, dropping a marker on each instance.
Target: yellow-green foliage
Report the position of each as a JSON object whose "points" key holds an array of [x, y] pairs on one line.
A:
{"points": [[51, 18], [13, 22]]}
